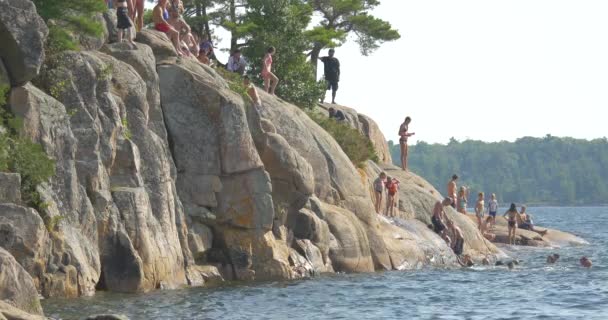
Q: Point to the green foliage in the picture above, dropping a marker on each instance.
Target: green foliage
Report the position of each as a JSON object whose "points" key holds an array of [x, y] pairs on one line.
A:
{"points": [[339, 18], [126, 132], [235, 82], [550, 170], [67, 17], [357, 147], [282, 24], [51, 223], [20, 155]]}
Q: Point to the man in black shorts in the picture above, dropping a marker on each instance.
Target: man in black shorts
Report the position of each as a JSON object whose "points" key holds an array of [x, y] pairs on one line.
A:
{"points": [[439, 218], [332, 73]]}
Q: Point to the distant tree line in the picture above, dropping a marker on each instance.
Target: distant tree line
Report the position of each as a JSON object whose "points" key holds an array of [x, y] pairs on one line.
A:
{"points": [[549, 170]]}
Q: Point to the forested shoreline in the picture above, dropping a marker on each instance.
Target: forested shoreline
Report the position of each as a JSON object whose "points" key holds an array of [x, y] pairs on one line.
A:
{"points": [[536, 171]]}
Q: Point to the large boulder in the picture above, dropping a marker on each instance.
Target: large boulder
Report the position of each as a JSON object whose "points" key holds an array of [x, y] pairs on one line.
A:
{"points": [[366, 126], [9, 312], [16, 286], [10, 188], [22, 34]]}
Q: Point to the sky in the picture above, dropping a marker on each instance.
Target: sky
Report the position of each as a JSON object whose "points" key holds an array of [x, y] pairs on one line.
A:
{"points": [[484, 70]]}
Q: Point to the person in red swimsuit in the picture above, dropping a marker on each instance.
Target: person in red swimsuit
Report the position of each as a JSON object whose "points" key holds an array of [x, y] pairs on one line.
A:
{"points": [[270, 79], [161, 24]]}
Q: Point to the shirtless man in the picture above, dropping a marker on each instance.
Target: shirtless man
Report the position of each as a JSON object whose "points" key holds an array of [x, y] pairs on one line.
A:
{"points": [[457, 237], [452, 194], [160, 24], [525, 222], [439, 217], [252, 92], [187, 41]]}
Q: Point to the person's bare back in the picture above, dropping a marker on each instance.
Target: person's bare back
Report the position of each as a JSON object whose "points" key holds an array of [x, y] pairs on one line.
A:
{"points": [[438, 210], [157, 14]]}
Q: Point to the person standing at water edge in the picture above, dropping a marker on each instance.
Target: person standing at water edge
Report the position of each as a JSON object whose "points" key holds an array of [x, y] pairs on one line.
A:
{"points": [[452, 187], [512, 221], [379, 187], [270, 79], [479, 211], [332, 74], [403, 136], [493, 209]]}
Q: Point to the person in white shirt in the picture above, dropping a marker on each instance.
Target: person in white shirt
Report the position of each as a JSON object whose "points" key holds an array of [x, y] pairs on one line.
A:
{"points": [[492, 209], [236, 63]]}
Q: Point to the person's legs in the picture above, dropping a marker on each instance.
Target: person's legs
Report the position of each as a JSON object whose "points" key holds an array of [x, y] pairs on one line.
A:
{"points": [[139, 11], [275, 82], [479, 223], [174, 36], [267, 83], [119, 34], [378, 201], [334, 90]]}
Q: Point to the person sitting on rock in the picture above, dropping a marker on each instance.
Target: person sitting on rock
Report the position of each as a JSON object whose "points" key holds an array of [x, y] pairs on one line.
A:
{"points": [[336, 114], [124, 23], [392, 186], [236, 62], [525, 222], [512, 222], [203, 57], [252, 92], [438, 218], [457, 237], [585, 262], [160, 23], [379, 187], [187, 42], [552, 258]]}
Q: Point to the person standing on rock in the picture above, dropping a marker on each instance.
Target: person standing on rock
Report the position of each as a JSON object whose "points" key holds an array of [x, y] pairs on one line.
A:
{"points": [[493, 209], [480, 207], [404, 134], [270, 79], [439, 217], [462, 200], [379, 187], [137, 14], [123, 22], [332, 73], [452, 187], [512, 222], [392, 187], [160, 23]]}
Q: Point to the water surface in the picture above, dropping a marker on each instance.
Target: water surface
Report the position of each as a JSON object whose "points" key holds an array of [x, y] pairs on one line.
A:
{"points": [[532, 291]]}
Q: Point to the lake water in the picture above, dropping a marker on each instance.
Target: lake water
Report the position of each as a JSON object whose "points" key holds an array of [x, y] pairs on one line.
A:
{"points": [[531, 291]]}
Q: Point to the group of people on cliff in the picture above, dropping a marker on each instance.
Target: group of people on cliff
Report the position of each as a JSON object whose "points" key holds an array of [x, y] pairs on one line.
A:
{"points": [[167, 17]]}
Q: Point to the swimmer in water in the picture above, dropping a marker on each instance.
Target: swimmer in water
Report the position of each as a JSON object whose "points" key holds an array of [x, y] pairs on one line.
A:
{"points": [[552, 258], [586, 262]]}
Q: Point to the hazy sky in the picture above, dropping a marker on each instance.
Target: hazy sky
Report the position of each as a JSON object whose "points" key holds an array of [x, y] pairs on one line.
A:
{"points": [[487, 70]]}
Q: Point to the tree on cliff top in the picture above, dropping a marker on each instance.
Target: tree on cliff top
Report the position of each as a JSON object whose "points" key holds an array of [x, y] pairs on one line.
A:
{"points": [[343, 17], [67, 17]]}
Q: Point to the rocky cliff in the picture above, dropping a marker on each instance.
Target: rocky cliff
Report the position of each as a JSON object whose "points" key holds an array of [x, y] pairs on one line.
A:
{"points": [[167, 178]]}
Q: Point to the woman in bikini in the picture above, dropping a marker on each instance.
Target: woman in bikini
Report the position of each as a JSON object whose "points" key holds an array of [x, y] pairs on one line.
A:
{"points": [[270, 79], [403, 135], [462, 200], [479, 211], [512, 220]]}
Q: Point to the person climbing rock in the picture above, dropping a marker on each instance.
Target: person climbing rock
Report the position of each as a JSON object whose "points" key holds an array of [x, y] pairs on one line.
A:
{"points": [[452, 187], [379, 188], [457, 237], [270, 79], [336, 114], [252, 92], [332, 73], [392, 187], [404, 134], [124, 24], [438, 218]]}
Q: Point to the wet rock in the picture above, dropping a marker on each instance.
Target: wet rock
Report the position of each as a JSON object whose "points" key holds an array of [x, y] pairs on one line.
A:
{"points": [[107, 317], [16, 286]]}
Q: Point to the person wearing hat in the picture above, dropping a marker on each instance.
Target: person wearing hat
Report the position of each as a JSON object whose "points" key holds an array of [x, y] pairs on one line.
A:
{"points": [[332, 73]]}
